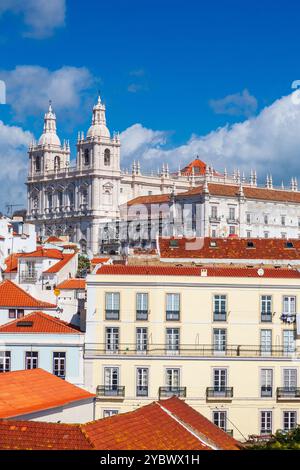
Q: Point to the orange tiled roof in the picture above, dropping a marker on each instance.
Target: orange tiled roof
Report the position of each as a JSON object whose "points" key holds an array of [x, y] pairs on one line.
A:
{"points": [[39, 322], [58, 266], [198, 165], [164, 425], [223, 271], [151, 199], [12, 263], [27, 391], [231, 248], [99, 260], [12, 295], [41, 252], [73, 284], [53, 239]]}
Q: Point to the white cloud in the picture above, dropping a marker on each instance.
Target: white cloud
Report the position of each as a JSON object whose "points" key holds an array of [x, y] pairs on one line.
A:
{"points": [[29, 88], [14, 163], [269, 142], [41, 17], [238, 104]]}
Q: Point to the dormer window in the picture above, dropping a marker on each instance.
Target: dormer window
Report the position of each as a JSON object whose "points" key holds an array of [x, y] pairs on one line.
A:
{"points": [[250, 244], [289, 245], [106, 157]]}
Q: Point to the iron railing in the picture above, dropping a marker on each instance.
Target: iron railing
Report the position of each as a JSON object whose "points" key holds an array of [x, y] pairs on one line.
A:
{"points": [[110, 391], [190, 350], [112, 314], [220, 316], [142, 314], [288, 392], [266, 391], [219, 392], [164, 392]]}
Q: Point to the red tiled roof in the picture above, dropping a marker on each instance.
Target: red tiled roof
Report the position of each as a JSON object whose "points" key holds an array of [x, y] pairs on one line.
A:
{"points": [[99, 260], [211, 271], [53, 239], [165, 425], [58, 266], [151, 199], [41, 252], [198, 165], [12, 295], [73, 284], [35, 435], [231, 248], [39, 322], [27, 391], [12, 263]]}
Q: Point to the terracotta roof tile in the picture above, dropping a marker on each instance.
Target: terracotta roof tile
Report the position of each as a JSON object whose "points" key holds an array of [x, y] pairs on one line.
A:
{"points": [[39, 322], [231, 248], [72, 284], [51, 253], [27, 391], [12, 263], [212, 271], [61, 264], [99, 260], [53, 239], [11, 295]]}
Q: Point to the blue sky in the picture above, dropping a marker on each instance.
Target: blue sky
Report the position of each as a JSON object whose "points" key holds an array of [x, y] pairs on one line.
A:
{"points": [[178, 78]]}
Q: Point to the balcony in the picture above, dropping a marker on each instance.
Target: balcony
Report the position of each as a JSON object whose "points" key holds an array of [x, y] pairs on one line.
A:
{"points": [[165, 392], [142, 315], [142, 391], [266, 317], [187, 350], [214, 219], [219, 393], [232, 220], [220, 316], [172, 315], [28, 277], [288, 393], [110, 391], [112, 314], [266, 391]]}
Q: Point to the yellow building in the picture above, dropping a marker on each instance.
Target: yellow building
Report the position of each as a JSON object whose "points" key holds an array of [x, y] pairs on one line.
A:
{"points": [[225, 339]]}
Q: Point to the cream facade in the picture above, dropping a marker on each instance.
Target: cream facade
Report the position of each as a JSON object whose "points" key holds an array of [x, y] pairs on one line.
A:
{"points": [[222, 343]]}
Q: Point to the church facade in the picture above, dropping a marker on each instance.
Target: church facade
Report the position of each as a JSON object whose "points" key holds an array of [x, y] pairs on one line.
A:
{"points": [[79, 200]]}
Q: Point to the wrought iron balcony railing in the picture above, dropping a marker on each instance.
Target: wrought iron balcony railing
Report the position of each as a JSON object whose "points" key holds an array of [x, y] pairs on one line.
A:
{"points": [[219, 392], [288, 393], [29, 277], [266, 391], [110, 391], [220, 316], [171, 391], [141, 391], [187, 350], [173, 315], [142, 315], [112, 314]]}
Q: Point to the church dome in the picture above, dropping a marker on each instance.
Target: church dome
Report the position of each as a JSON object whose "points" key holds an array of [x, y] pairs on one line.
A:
{"points": [[49, 136], [98, 127]]}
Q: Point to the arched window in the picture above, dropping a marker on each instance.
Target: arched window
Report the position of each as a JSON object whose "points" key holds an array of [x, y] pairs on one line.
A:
{"points": [[50, 201], [38, 164], [107, 157], [57, 163], [86, 157], [60, 199], [71, 198]]}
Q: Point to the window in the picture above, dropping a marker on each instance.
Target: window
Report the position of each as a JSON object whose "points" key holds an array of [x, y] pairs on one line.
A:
{"points": [[111, 381], [141, 339], [112, 306], [289, 420], [56, 163], [248, 218], [38, 164], [142, 378], [289, 344], [50, 201], [86, 157], [283, 220], [248, 234], [289, 305], [266, 234], [266, 308], [266, 422], [142, 306], [214, 212], [283, 235], [232, 230], [172, 378], [109, 413], [266, 381], [220, 308], [220, 419], [31, 360], [172, 340], [15, 313], [173, 307], [220, 380], [266, 219], [232, 213], [4, 361], [59, 364], [219, 338], [289, 380], [266, 341], [214, 233], [60, 199], [106, 157], [112, 339]]}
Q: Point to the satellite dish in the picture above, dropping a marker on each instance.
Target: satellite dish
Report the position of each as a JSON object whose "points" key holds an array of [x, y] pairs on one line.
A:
{"points": [[260, 272]]}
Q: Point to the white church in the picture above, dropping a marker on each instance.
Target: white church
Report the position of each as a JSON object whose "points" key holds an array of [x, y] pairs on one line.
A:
{"points": [[78, 200]]}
